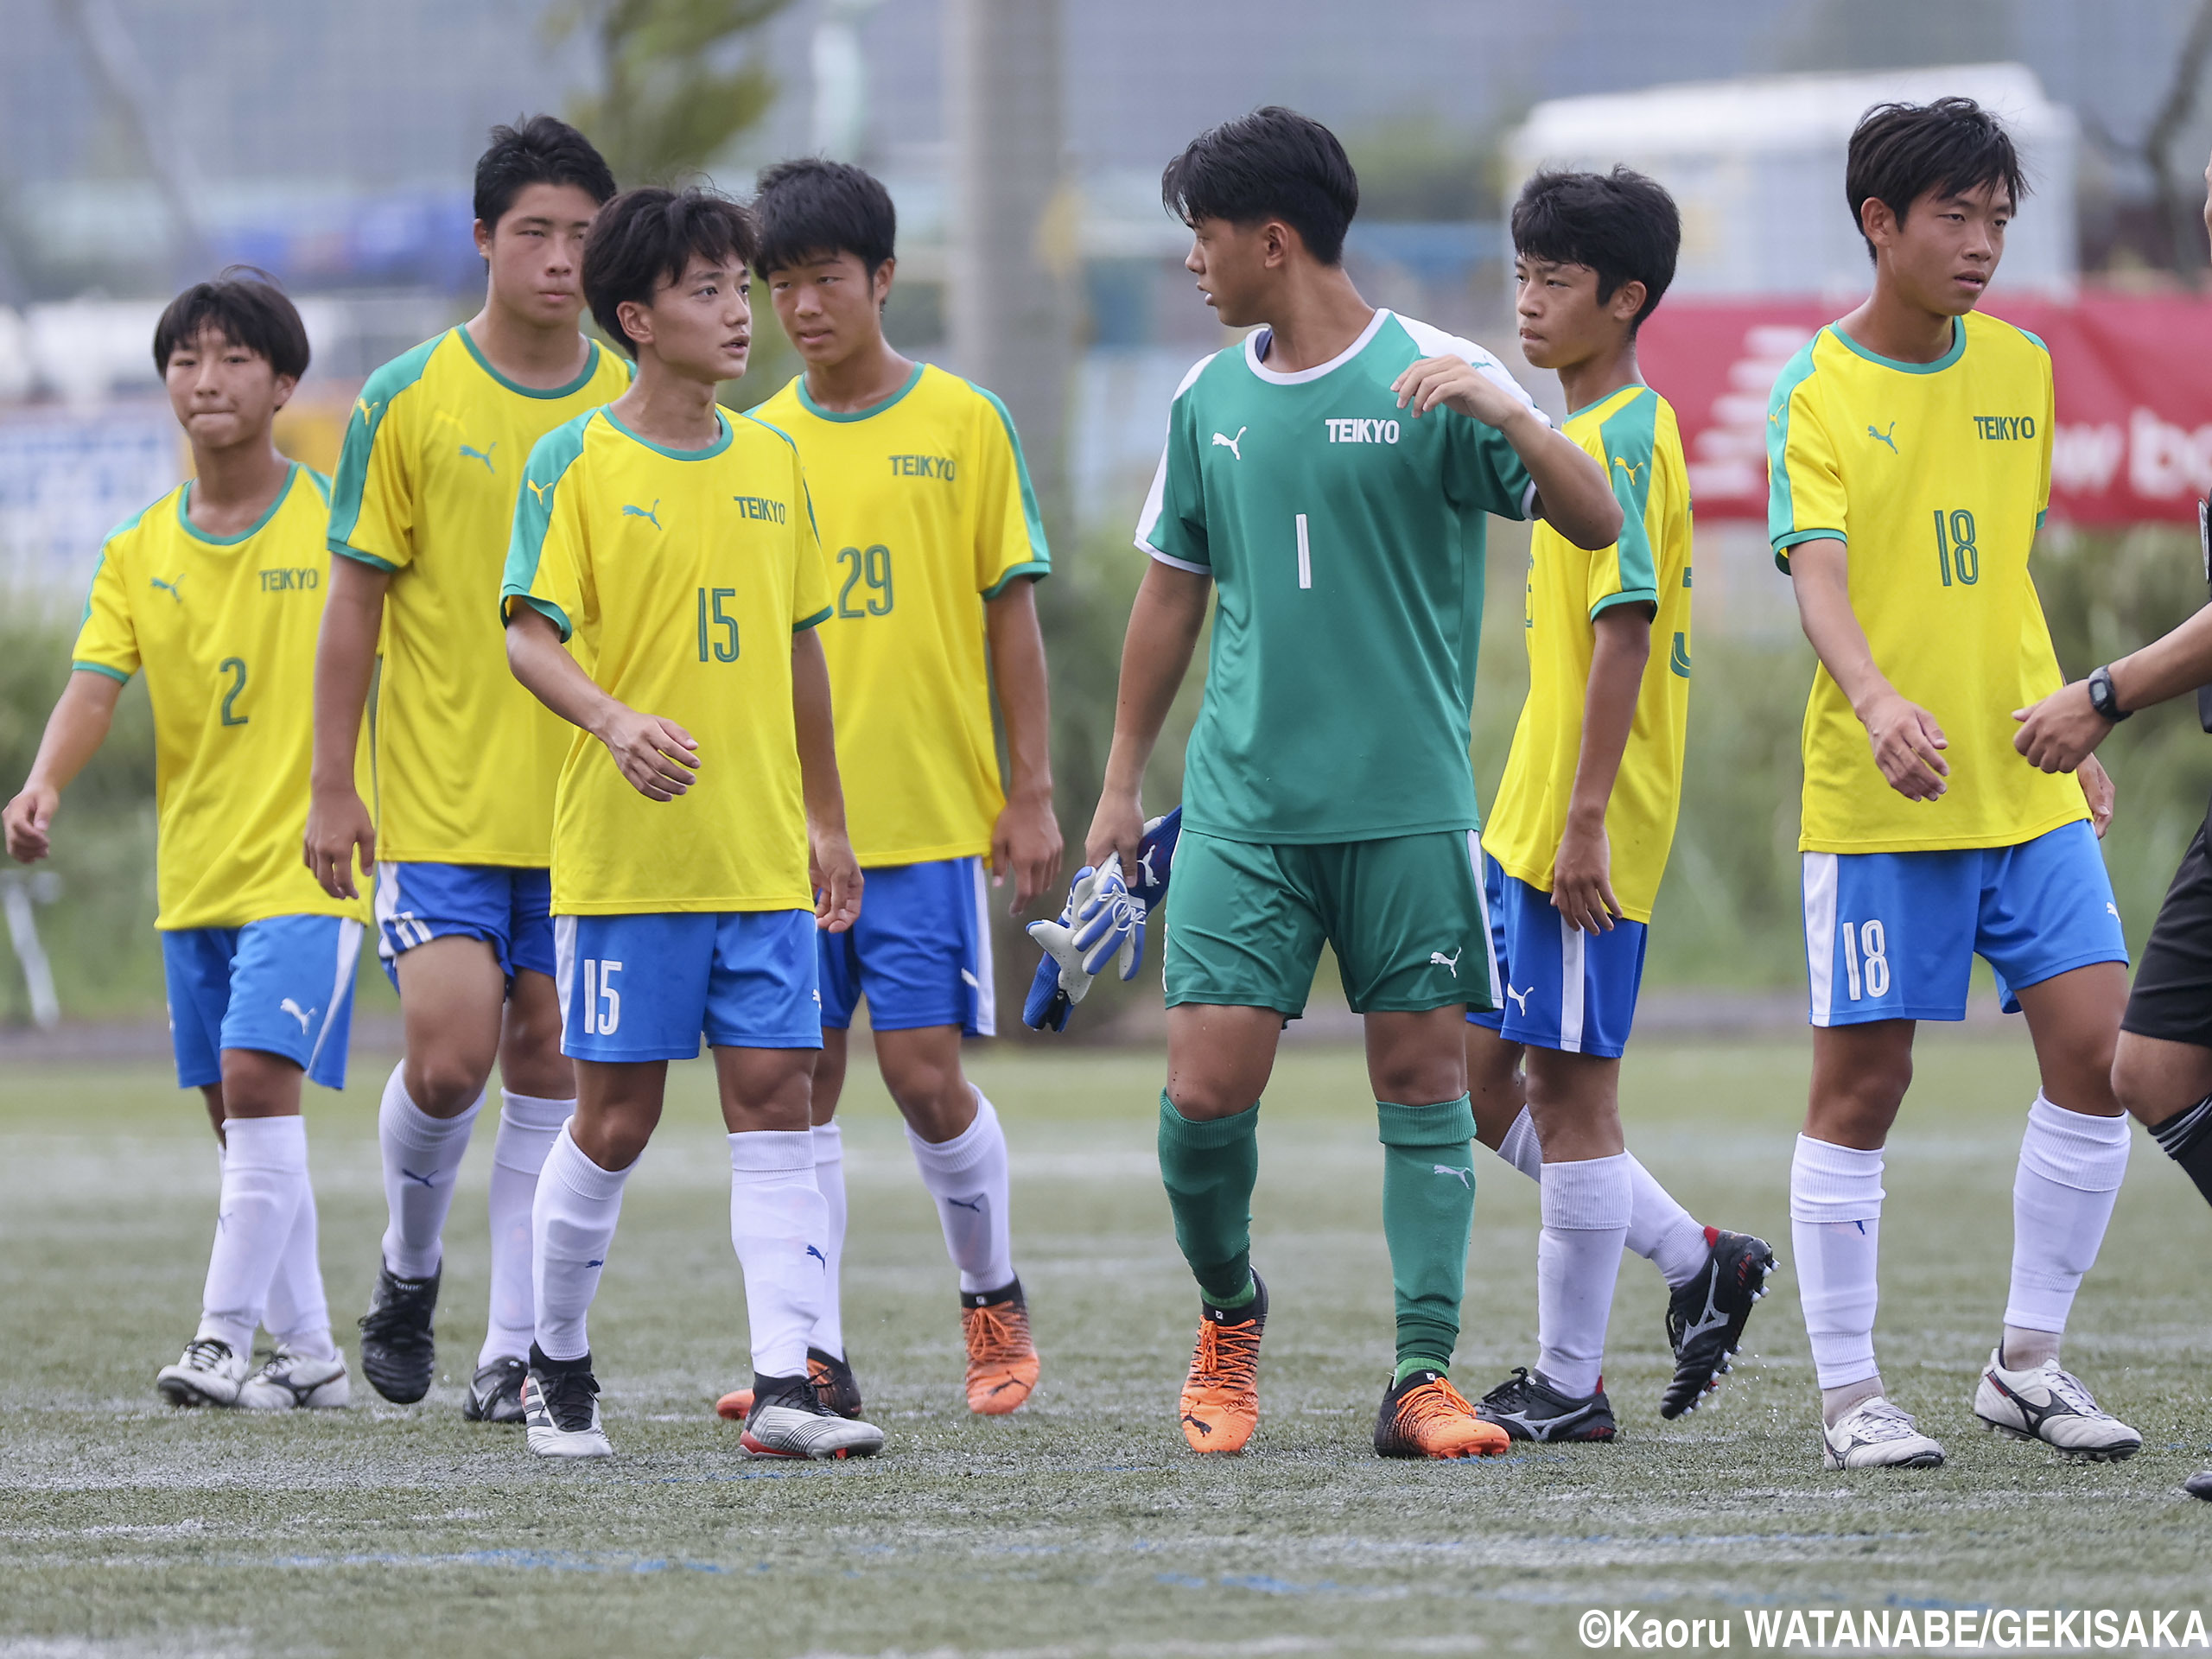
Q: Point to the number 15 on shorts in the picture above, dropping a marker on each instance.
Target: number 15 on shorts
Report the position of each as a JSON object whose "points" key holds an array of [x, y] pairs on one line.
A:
{"points": [[1865, 959], [603, 1002]]}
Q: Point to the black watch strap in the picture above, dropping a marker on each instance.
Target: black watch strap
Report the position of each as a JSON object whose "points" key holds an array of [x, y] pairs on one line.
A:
{"points": [[2104, 699]]}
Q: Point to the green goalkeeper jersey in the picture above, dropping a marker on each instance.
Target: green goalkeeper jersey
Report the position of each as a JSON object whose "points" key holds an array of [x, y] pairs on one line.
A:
{"points": [[1344, 539]]}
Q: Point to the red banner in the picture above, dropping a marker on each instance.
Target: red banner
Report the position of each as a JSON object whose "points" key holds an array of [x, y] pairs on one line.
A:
{"points": [[2134, 387]]}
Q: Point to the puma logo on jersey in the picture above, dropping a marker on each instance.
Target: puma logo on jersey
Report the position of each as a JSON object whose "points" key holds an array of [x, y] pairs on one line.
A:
{"points": [[1466, 1177], [301, 1014], [169, 587], [1362, 431], [2114, 908], [368, 410], [484, 455], [1438, 959], [1222, 442], [650, 515], [1520, 998], [1883, 437], [1621, 462], [541, 491]]}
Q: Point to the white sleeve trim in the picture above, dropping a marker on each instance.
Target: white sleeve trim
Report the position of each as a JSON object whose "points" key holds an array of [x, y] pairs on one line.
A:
{"points": [[1528, 500], [1155, 497], [1205, 570]]}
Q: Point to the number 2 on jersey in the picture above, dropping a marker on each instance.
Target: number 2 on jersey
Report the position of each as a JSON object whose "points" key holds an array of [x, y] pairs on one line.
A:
{"points": [[235, 667], [1958, 553]]}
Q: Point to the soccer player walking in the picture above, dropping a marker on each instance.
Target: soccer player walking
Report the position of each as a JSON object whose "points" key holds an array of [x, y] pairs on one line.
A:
{"points": [[1578, 836], [1909, 449], [1328, 479], [466, 760], [215, 592], [919, 487], [671, 546]]}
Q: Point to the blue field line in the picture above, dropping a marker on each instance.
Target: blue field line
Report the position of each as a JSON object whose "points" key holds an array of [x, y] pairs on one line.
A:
{"points": [[528, 1560], [1268, 1585]]}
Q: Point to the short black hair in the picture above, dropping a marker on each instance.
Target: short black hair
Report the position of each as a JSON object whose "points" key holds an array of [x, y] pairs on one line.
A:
{"points": [[1622, 225], [646, 236], [538, 149], [1901, 151], [811, 209], [245, 306], [1272, 164]]}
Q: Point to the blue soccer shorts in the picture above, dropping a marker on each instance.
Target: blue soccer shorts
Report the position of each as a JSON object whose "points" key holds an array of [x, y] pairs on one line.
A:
{"points": [[920, 952], [509, 908], [1893, 936], [1561, 987], [645, 987], [283, 986]]}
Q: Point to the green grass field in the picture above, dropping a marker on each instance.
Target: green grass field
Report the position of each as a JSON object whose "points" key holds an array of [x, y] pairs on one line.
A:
{"points": [[1081, 1526]]}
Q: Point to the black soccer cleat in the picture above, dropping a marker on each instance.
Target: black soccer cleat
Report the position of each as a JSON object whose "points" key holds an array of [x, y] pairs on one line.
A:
{"points": [[835, 1385], [1530, 1409], [2199, 1485], [397, 1354], [495, 1392], [1705, 1315]]}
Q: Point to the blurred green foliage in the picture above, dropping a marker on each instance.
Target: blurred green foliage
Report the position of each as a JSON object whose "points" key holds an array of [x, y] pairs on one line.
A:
{"points": [[677, 79]]}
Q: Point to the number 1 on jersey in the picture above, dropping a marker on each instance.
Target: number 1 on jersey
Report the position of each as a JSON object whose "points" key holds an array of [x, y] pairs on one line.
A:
{"points": [[1304, 556]]}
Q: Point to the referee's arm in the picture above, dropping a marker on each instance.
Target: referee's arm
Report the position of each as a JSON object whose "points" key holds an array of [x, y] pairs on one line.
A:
{"points": [[2059, 733]]}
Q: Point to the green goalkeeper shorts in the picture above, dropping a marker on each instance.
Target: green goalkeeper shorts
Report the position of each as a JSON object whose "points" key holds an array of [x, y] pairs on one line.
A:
{"points": [[1404, 914]]}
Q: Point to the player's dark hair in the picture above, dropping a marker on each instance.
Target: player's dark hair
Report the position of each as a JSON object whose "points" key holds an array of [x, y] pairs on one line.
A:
{"points": [[244, 305], [1272, 164], [1621, 225], [812, 209], [646, 236], [1901, 151], [540, 150]]}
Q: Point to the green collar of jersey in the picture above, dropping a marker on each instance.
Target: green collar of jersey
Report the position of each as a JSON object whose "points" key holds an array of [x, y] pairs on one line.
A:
{"points": [[807, 403], [184, 516], [1958, 345], [707, 454], [591, 367], [1633, 387]]}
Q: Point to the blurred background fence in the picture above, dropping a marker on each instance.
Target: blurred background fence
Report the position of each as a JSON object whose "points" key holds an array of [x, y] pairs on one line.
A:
{"points": [[147, 143]]}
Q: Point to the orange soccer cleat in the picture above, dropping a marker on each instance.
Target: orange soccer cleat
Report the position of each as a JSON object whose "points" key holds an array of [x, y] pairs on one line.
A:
{"points": [[834, 1384], [1221, 1396], [1425, 1416], [1001, 1358]]}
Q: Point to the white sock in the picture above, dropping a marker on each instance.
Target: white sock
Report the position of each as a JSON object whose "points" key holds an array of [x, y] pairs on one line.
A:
{"points": [[2071, 1167], [829, 1177], [1520, 1148], [1586, 1210], [264, 1173], [527, 1126], [1835, 1226], [779, 1226], [967, 1177], [1659, 1230], [298, 1314], [422, 1155], [572, 1226]]}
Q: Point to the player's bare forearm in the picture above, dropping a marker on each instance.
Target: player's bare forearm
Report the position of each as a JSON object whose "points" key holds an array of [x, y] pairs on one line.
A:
{"points": [[345, 662], [1582, 889], [2063, 730], [657, 756], [1906, 740], [1025, 842], [74, 731], [835, 871], [1164, 625], [1573, 495]]}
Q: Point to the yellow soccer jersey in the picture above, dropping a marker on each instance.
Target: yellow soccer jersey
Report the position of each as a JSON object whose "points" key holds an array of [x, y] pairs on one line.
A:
{"points": [[926, 512], [426, 488], [1935, 476], [1632, 434], [225, 627], [678, 579]]}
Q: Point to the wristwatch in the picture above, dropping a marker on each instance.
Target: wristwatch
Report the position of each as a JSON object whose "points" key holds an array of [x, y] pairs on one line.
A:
{"points": [[2104, 699]]}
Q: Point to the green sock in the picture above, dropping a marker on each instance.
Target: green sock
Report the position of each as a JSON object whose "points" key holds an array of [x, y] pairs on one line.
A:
{"points": [[1209, 1169], [1408, 1367], [1428, 1214]]}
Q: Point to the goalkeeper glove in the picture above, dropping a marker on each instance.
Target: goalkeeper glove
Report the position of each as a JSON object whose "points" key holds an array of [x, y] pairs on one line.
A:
{"points": [[1102, 922]]}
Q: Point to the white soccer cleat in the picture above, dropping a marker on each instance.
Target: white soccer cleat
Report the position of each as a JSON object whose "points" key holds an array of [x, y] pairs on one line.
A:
{"points": [[2049, 1404], [796, 1424], [209, 1373], [1875, 1435], [561, 1410], [288, 1382]]}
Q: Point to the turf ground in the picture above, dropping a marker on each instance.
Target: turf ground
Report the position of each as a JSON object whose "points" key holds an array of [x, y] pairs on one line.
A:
{"points": [[1081, 1526]]}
